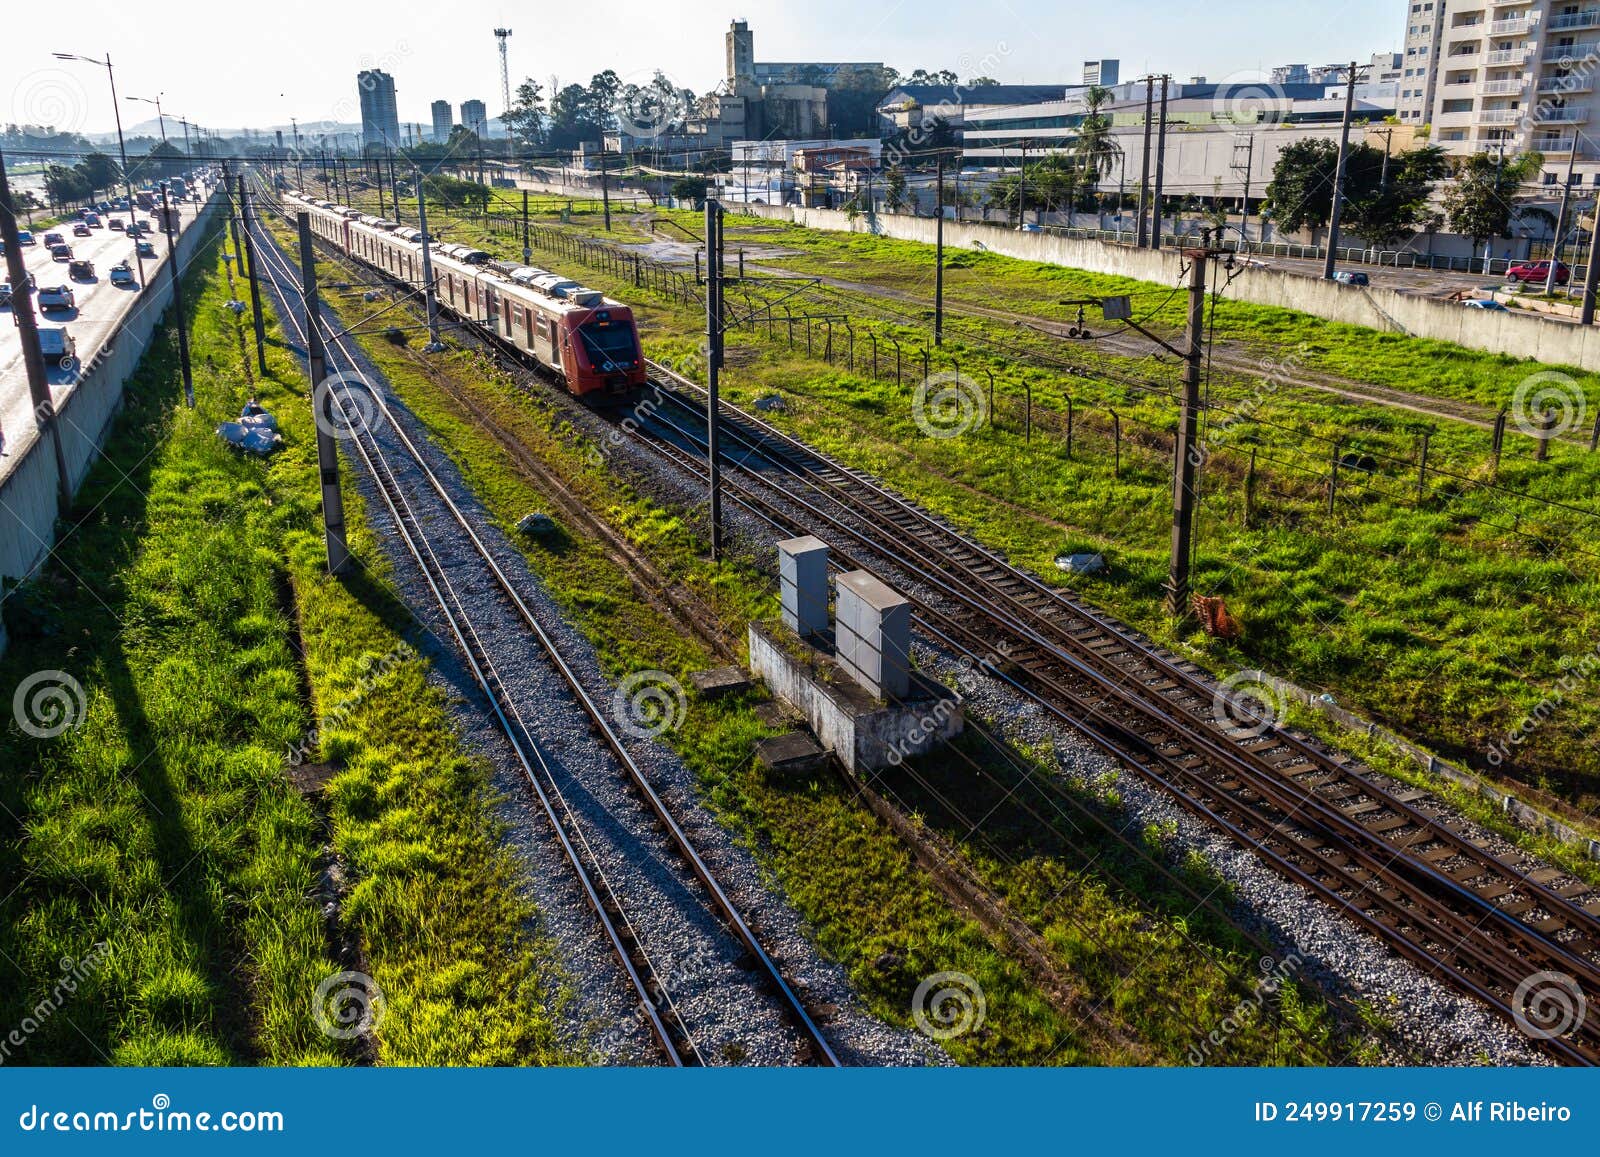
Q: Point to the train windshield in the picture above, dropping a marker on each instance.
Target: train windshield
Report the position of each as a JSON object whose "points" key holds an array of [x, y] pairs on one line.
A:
{"points": [[608, 342]]}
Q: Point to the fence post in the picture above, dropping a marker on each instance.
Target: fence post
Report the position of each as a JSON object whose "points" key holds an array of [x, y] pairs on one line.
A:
{"points": [[1250, 491], [1422, 466], [1333, 477], [874, 338], [850, 337], [925, 369], [1547, 426], [1499, 442], [1594, 434], [898, 383], [1116, 445], [1027, 386], [1069, 427]]}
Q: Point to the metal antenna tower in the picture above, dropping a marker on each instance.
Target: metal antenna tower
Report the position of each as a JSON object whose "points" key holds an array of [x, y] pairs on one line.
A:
{"points": [[502, 35]]}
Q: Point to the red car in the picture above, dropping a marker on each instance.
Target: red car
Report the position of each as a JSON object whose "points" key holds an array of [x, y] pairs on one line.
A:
{"points": [[1538, 271]]}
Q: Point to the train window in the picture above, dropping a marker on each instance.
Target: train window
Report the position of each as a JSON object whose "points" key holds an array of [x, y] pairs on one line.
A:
{"points": [[608, 342]]}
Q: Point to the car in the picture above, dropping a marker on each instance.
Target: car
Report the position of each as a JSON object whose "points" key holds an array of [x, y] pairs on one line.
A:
{"points": [[122, 274], [81, 229], [1538, 272], [145, 249], [57, 344], [1352, 277], [138, 228], [1485, 303], [62, 252], [81, 270], [92, 220], [57, 297], [1029, 227], [53, 239], [5, 293], [25, 238], [116, 223]]}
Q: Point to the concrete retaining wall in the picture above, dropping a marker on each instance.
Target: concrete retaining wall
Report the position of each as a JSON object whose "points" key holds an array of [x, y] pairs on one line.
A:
{"points": [[1548, 341], [28, 493]]}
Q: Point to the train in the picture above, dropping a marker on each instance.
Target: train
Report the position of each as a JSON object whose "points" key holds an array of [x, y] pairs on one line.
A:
{"points": [[587, 340]]}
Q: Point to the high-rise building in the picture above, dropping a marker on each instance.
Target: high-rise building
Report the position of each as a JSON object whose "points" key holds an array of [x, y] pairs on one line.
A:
{"points": [[442, 121], [1511, 76], [1101, 72], [380, 122], [475, 115]]}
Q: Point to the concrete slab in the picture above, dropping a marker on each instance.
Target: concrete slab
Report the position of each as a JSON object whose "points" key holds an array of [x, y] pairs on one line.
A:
{"points": [[792, 755], [719, 681]]}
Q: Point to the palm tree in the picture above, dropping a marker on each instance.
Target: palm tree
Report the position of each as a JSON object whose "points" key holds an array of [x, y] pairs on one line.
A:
{"points": [[1095, 150]]}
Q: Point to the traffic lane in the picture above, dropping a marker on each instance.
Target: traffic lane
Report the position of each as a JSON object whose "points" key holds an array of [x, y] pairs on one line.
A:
{"points": [[101, 307]]}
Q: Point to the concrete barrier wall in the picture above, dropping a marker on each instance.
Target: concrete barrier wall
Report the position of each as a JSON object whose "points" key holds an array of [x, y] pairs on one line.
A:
{"points": [[1544, 340], [28, 493]]}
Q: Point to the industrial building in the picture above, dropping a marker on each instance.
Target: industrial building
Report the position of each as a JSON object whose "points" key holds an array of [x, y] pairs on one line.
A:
{"points": [[442, 121], [380, 121]]}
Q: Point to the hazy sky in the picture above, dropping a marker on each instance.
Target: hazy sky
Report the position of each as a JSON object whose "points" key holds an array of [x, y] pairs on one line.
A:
{"points": [[228, 65]]}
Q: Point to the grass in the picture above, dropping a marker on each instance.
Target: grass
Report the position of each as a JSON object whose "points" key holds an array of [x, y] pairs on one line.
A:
{"points": [[1449, 613], [1118, 922], [188, 599]]}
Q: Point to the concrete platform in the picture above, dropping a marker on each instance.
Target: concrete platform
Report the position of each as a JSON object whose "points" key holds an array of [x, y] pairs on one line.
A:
{"points": [[719, 681], [791, 756], [865, 733]]}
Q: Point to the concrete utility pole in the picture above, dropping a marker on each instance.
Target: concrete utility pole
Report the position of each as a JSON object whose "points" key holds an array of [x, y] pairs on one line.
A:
{"points": [[1561, 223], [527, 237], [177, 298], [322, 400], [233, 220], [255, 285], [1244, 204], [713, 365], [605, 189], [938, 252], [434, 344], [394, 186], [1591, 272], [44, 408], [1338, 174], [1143, 237], [1161, 168], [1183, 493]]}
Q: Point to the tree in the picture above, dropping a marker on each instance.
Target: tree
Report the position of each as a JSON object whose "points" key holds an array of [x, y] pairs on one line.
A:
{"points": [[1387, 209], [525, 119], [456, 193], [569, 118], [983, 82], [100, 171], [1479, 204], [894, 188], [1095, 150], [1300, 193], [923, 77], [602, 95]]}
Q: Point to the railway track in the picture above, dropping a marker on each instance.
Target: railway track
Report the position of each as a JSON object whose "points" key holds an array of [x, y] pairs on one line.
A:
{"points": [[1373, 850], [423, 515]]}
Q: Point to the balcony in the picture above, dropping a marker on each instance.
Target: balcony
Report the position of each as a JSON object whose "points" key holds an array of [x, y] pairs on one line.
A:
{"points": [[1500, 116], [1507, 56], [1573, 52], [1546, 145], [1557, 85], [1560, 116], [1502, 87], [1515, 25], [1508, 3], [1588, 18]]}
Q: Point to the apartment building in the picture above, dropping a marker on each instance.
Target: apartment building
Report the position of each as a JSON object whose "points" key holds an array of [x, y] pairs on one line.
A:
{"points": [[1511, 75]]}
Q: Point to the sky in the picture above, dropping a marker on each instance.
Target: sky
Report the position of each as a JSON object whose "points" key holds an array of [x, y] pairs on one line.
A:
{"points": [[299, 58]]}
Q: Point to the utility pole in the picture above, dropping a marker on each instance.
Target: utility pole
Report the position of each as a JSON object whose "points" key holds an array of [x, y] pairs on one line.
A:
{"points": [[1561, 223], [938, 252], [233, 221], [1161, 168], [605, 188], [527, 237], [1591, 272], [1022, 186], [1338, 175], [255, 286], [434, 344], [1143, 237], [44, 408], [1244, 205], [177, 298], [394, 185], [322, 401], [381, 211], [1183, 491], [713, 365]]}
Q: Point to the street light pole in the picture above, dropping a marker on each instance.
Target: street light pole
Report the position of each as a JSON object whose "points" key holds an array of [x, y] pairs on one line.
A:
{"points": [[122, 147]]}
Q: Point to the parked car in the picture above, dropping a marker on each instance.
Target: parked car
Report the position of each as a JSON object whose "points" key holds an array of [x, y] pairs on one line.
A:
{"points": [[116, 223], [24, 237], [57, 297], [1485, 303], [56, 344], [122, 273], [145, 249], [81, 229], [62, 252], [1352, 277], [81, 270], [1537, 272]]}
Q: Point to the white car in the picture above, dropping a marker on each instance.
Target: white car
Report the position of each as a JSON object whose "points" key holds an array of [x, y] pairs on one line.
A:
{"points": [[57, 297]]}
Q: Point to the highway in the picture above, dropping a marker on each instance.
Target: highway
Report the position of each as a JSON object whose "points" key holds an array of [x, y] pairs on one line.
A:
{"points": [[100, 307]]}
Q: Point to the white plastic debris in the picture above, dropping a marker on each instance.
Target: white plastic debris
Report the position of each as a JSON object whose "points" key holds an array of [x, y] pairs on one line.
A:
{"points": [[1081, 563]]}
